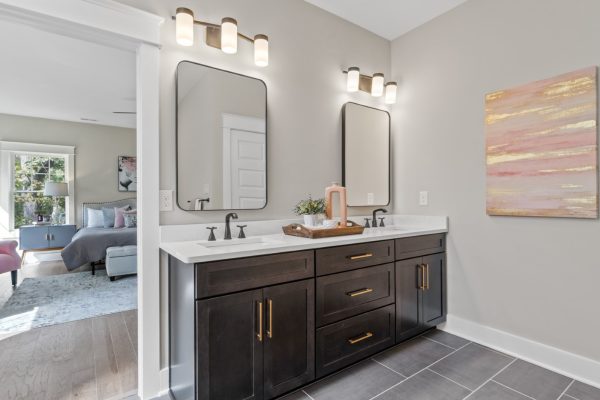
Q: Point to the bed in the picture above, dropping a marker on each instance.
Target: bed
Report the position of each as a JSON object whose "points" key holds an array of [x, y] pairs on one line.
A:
{"points": [[89, 244]]}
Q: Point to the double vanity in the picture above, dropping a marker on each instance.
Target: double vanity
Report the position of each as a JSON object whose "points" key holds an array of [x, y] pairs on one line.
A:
{"points": [[259, 317]]}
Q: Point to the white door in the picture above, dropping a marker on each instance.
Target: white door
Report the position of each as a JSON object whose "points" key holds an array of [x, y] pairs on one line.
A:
{"points": [[244, 162]]}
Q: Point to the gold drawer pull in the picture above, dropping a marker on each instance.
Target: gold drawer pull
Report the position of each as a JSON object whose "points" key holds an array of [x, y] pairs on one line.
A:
{"points": [[427, 275], [359, 292], [361, 338], [361, 256], [270, 331]]}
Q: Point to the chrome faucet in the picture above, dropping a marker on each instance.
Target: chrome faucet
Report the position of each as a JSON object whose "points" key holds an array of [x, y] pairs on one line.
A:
{"points": [[383, 210], [228, 218]]}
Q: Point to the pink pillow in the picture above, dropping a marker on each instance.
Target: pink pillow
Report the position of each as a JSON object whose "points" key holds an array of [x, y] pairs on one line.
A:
{"points": [[119, 218]]}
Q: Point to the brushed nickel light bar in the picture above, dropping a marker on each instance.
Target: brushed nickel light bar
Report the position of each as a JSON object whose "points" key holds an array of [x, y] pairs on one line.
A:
{"points": [[224, 36], [371, 84]]}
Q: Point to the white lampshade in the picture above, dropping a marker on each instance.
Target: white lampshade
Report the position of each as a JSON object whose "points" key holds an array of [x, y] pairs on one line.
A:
{"points": [[261, 50], [390, 92], [229, 34], [377, 85], [184, 26], [56, 189], [353, 79]]}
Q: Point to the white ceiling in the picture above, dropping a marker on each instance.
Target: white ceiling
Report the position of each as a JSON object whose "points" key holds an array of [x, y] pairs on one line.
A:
{"points": [[387, 18], [47, 75]]}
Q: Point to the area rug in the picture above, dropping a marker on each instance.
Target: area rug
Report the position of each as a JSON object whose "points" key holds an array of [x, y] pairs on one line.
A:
{"points": [[57, 299]]}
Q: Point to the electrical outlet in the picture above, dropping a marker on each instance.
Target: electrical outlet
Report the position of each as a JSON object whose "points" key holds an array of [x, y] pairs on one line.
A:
{"points": [[166, 200], [423, 198]]}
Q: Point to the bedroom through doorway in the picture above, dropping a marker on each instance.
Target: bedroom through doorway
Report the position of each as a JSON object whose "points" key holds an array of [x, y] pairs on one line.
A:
{"points": [[68, 211]]}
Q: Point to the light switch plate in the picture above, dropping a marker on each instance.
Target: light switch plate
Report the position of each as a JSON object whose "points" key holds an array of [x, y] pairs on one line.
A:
{"points": [[423, 198], [166, 200]]}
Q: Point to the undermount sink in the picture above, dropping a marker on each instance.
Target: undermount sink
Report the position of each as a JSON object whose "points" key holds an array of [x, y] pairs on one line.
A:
{"points": [[237, 242]]}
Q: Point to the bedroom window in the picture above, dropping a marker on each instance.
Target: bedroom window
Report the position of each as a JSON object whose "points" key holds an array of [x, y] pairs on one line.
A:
{"points": [[30, 173]]}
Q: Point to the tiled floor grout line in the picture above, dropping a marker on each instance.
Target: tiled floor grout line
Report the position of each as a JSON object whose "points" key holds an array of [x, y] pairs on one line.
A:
{"points": [[385, 366], [451, 380], [307, 395], [568, 395], [399, 383], [495, 375], [565, 391], [435, 341], [514, 390]]}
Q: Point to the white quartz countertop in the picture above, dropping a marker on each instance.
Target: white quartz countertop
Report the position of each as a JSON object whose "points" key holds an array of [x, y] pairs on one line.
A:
{"points": [[197, 251]]}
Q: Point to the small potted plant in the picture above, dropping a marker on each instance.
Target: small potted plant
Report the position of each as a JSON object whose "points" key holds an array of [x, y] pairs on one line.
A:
{"points": [[310, 209]]}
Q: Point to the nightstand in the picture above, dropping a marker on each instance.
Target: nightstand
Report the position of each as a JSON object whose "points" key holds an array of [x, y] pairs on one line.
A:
{"points": [[45, 237]]}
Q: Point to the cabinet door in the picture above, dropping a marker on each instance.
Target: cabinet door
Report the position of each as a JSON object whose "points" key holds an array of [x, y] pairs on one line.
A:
{"points": [[61, 235], [289, 343], [434, 294], [229, 352], [409, 280], [33, 237]]}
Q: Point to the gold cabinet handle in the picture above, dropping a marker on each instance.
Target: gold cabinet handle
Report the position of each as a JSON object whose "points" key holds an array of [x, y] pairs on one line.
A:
{"points": [[361, 256], [359, 292], [270, 330], [259, 335], [427, 275], [360, 338], [422, 273]]}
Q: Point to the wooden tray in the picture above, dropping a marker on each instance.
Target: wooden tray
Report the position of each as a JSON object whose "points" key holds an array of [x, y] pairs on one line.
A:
{"points": [[318, 233]]}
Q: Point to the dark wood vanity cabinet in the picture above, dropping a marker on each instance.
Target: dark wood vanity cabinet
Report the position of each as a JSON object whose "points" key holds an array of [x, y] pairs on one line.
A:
{"points": [[420, 294], [260, 327]]}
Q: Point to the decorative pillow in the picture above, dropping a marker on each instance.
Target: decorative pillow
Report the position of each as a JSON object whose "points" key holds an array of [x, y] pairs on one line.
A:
{"points": [[130, 218], [118, 221], [109, 215], [95, 218]]}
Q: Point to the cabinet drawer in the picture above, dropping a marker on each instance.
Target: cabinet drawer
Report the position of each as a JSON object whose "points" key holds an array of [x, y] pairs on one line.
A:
{"points": [[348, 341], [420, 246], [230, 276], [350, 293], [345, 258]]}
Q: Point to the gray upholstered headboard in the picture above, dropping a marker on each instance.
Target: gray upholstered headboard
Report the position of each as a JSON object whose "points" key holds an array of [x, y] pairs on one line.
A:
{"points": [[132, 201]]}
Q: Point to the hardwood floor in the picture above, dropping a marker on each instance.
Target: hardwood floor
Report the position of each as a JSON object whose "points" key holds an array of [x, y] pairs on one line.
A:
{"points": [[90, 359], [94, 358]]}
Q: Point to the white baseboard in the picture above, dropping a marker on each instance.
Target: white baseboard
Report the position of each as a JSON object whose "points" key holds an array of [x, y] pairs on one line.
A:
{"points": [[572, 365]]}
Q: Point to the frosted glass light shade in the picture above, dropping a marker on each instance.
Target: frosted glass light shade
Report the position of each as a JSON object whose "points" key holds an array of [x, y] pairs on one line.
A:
{"points": [[353, 79], [229, 35], [184, 26], [261, 50], [377, 85], [390, 92]]}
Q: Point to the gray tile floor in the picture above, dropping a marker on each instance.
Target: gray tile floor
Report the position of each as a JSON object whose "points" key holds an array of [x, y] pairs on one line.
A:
{"points": [[440, 366]]}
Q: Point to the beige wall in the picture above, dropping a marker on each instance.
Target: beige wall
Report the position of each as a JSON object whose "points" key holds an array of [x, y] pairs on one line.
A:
{"points": [[96, 150], [536, 278], [305, 91]]}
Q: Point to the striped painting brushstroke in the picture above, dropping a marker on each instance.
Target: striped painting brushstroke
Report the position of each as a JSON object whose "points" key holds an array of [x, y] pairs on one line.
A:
{"points": [[541, 142]]}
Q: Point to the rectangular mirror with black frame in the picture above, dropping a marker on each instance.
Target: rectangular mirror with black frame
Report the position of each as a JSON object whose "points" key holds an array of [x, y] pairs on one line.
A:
{"points": [[366, 155], [221, 139]]}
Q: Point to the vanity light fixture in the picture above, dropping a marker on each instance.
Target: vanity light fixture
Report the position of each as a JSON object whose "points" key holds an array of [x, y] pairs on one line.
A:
{"points": [[371, 84], [223, 36], [390, 92]]}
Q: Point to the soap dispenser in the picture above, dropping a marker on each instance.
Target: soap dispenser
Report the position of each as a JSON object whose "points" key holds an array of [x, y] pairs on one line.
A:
{"points": [[329, 191]]}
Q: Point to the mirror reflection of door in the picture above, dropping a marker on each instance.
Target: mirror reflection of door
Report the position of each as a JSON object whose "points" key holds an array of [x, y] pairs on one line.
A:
{"points": [[221, 139], [244, 162]]}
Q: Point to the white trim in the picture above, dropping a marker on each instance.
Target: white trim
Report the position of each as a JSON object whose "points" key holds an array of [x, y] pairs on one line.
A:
{"points": [[572, 365], [116, 25], [241, 123], [22, 147]]}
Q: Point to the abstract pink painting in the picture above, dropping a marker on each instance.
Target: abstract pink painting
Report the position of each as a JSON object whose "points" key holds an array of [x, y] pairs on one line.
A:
{"points": [[541, 141]]}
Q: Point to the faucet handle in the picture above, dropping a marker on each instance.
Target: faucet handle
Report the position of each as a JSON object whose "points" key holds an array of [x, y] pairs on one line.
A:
{"points": [[211, 237], [242, 235], [367, 225], [381, 224]]}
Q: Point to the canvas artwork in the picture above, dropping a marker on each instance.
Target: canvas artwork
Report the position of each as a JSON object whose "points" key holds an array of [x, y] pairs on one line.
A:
{"points": [[127, 174], [541, 142]]}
